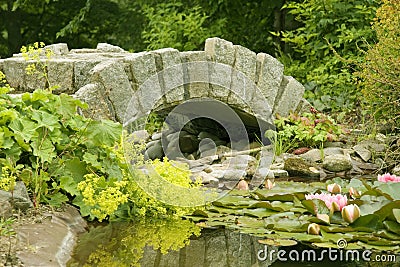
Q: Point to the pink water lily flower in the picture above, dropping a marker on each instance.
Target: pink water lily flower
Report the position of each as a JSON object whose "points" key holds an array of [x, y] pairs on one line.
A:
{"points": [[334, 202], [387, 177]]}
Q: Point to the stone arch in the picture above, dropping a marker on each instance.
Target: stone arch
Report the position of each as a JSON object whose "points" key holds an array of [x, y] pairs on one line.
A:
{"points": [[107, 77]]}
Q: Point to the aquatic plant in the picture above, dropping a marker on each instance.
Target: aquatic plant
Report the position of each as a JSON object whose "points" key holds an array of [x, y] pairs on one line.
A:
{"points": [[387, 177], [333, 202], [334, 188], [284, 215], [350, 213]]}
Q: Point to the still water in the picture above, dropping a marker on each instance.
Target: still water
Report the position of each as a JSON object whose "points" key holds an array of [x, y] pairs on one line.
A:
{"points": [[180, 243]]}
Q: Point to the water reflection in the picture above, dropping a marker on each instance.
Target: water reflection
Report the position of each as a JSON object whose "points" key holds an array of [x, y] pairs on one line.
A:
{"points": [[123, 244], [165, 243], [178, 243]]}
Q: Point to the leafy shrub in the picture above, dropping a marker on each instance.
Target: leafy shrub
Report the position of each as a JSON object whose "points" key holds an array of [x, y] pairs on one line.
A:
{"points": [[306, 130], [327, 48], [64, 157], [381, 70], [171, 25]]}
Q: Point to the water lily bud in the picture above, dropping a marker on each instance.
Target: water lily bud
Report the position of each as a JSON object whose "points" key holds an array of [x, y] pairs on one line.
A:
{"points": [[313, 229], [243, 185], [354, 193], [334, 188], [350, 213], [269, 184], [335, 206], [324, 217]]}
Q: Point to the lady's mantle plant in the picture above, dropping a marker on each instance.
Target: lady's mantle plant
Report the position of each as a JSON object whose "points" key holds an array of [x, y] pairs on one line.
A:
{"points": [[64, 157]]}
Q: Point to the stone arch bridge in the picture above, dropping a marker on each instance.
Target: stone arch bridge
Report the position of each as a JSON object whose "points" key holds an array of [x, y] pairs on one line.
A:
{"points": [[116, 83]]}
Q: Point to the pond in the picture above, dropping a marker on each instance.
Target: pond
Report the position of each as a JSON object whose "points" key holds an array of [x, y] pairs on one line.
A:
{"points": [[261, 227], [174, 243]]}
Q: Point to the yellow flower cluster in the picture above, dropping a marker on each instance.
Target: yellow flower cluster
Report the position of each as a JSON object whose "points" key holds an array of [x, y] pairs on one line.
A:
{"points": [[34, 54], [3, 83], [103, 196], [7, 179]]}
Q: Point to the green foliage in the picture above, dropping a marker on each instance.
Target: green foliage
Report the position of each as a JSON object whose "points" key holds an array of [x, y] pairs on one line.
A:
{"points": [[381, 69], [327, 48], [306, 130], [185, 24], [282, 215], [154, 123], [64, 157], [172, 25], [6, 228]]}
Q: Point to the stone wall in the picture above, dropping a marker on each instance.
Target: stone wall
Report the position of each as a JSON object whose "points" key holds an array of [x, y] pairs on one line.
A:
{"points": [[119, 85]]}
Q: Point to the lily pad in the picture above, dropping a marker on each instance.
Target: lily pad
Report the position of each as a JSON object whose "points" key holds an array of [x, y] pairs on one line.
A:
{"points": [[390, 190], [334, 237], [387, 210], [367, 223], [278, 242], [259, 212], [250, 222], [284, 191], [222, 210], [388, 235], [376, 247], [325, 245], [316, 206], [234, 202], [304, 237], [286, 221], [396, 213], [392, 227], [274, 205]]}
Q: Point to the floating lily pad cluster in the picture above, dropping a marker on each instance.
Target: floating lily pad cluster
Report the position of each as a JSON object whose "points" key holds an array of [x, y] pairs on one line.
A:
{"points": [[282, 214]]}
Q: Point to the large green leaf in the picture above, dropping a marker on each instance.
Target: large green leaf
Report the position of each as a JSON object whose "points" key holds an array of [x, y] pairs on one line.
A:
{"points": [[24, 127], [392, 227], [43, 148], [104, 132], [66, 105], [6, 140], [45, 119], [390, 190], [367, 223], [387, 210], [57, 199]]}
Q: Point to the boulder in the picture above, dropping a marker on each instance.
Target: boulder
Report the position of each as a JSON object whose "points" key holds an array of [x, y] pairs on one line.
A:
{"points": [[206, 178], [5, 205], [155, 151], [140, 136], [337, 163], [188, 143], [362, 152], [297, 166]]}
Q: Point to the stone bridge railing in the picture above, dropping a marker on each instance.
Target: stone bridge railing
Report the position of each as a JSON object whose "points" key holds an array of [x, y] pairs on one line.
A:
{"points": [[113, 81]]}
